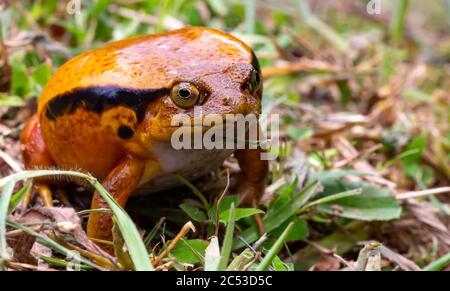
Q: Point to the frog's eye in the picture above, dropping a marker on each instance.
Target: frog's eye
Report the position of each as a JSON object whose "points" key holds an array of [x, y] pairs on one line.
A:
{"points": [[184, 95], [253, 84]]}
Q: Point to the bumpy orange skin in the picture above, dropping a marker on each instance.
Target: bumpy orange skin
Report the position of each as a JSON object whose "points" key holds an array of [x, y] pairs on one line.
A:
{"points": [[72, 136]]}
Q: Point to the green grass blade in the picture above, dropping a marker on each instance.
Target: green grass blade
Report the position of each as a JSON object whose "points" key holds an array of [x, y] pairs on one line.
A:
{"points": [[23, 175], [275, 249], [439, 264], [16, 198], [196, 193], [275, 219], [4, 205], [398, 20], [228, 241], [250, 16], [61, 263], [330, 198], [337, 174], [98, 210], [241, 261], [129, 231], [153, 232], [321, 27], [195, 252]]}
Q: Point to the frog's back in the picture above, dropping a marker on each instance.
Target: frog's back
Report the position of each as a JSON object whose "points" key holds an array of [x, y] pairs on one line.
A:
{"points": [[147, 62]]}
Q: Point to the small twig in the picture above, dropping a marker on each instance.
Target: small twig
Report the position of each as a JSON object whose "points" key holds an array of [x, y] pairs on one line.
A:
{"points": [[219, 200], [152, 233], [165, 266], [255, 259], [135, 15], [15, 265], [329, 132], [17, 232], [319, 248], [370, 249], [260, 241], [10, 161], [96, 258], [344, 261], [101, 241], [304, 65], [413, 194], [188, 226]]}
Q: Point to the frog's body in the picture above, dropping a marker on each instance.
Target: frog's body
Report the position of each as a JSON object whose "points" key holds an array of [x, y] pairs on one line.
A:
{"points": [[109, 111], [191, 164]]}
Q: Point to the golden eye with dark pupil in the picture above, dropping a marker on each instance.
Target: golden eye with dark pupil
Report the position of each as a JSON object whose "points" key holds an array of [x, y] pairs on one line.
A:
{"points": [[184, 95]]}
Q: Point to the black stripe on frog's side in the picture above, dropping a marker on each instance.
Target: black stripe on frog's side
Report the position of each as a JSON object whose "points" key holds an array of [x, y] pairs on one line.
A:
{"points": [[101, 98]]}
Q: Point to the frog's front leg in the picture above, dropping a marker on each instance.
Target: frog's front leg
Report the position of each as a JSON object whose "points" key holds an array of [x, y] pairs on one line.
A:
{"points": [[252, 180], [253, 175], [120, 183]]}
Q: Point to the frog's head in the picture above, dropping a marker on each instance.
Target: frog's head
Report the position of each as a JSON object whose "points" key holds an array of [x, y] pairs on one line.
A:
{"points": [[207, 70]]}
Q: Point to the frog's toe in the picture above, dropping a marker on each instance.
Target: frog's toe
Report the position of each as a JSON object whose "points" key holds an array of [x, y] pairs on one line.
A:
{"points": [[46, 194]]}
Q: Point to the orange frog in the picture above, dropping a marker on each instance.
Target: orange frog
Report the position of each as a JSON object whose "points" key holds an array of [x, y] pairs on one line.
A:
{"points": [[108, 112]]}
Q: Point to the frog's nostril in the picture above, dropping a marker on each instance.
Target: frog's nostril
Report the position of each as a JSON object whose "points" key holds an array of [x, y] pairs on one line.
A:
{"points": [[226, 101]]}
